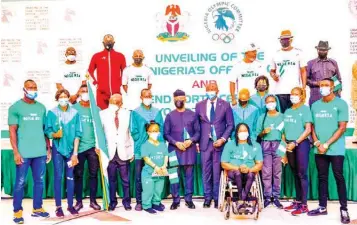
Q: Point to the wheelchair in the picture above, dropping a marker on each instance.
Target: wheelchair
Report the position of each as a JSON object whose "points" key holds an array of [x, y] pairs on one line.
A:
{"points": [[228, 191]]}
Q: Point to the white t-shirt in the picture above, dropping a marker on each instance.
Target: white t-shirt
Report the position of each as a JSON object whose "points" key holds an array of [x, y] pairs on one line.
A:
{"points": [[287, 65], [244, 75], [136, 78], [71, 77]]}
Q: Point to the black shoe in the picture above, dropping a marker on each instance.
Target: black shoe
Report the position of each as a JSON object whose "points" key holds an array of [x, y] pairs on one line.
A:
{"points": [[174, 206], [345, 218], [267, 202], [190, 205], [216, 204], [127, 207], [78, 206], [277, 203], [112, 206], [207, 204], [95, 206]]}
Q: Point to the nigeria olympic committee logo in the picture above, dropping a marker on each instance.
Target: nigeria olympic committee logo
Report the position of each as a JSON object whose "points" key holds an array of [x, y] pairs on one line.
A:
{"points": [[223, 20]]}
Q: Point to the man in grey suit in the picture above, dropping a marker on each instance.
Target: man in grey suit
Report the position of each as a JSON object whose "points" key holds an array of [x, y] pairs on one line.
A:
{"points": [[216, 122]]}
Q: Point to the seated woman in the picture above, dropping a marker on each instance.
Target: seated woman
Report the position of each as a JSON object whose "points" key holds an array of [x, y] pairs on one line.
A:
{"points": [[242, 159], [155, 155]]}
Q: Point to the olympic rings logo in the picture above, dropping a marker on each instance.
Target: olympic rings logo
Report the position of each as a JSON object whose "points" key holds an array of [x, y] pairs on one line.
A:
{"points": [[226, 38]]}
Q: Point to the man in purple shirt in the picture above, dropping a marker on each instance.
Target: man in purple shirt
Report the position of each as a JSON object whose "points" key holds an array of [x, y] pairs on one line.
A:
{"points": [[182, 132], [322, 68]]}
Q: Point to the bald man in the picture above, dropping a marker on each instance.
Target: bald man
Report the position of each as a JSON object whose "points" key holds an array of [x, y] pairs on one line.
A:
{"points": [[116, 120], [109, 65], [216, 125], [71, 75], [136, 77], [245, 112]]}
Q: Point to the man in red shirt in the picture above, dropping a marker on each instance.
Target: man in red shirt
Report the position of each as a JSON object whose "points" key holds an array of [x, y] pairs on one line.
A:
{"points": [[109, 65]]}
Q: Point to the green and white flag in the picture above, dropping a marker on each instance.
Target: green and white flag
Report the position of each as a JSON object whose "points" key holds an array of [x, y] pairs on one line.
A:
{"points": [[213, 133], [173, 161], [337, 83], [186, 135], [101, 145], [173, 175], [281, 149]]}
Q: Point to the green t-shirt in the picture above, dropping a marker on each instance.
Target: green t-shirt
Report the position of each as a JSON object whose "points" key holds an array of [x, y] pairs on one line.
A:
{"points": [[326, 117], [88, 138], [295, 120], [155, 153], [276, 123], [30, 119], [242, 154]]}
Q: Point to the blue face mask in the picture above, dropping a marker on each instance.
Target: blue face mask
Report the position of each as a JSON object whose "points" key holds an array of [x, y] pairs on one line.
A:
{"points": [[30, 94], [211, 95]]}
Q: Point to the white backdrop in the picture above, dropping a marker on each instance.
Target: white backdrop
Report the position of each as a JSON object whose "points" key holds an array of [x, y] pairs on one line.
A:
{"points": [[35, 34]]}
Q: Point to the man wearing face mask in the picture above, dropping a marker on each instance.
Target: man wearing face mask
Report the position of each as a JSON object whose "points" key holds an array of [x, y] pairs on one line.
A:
{"points": [[71, 75], [31, 148], [86, 151], [321, 68], [287, 69], [109, 65], [330, 117], [244, 112], [136, 77], [216, 123], [116, 120], [182, 132], [245, 72], [139, 117]]}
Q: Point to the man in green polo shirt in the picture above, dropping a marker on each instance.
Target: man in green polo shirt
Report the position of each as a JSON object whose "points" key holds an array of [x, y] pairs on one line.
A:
{"points": [[31, 148], [330, 116], [86, 151]]}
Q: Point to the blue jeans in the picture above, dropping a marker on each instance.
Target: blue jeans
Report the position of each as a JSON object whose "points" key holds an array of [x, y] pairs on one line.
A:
{"points": [[38, 167], [58, 161]]}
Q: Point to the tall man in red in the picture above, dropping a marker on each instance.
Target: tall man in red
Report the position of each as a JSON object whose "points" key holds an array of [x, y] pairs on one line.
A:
{"points": [[109, 65]]}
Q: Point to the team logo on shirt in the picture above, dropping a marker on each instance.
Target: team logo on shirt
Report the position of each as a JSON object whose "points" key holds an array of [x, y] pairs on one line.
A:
{"points": [[32, 116], [323, 114], [138, 78], [172, 24], [72, 75], [223, 20]]}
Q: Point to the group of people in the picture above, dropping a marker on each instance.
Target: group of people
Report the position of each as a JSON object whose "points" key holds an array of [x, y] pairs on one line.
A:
{"points": [[257, 133]]}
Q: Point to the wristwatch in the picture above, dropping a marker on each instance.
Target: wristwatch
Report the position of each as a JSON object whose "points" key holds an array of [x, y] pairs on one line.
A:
{"points": [[325, 146], [316, 142], [296, 144]]}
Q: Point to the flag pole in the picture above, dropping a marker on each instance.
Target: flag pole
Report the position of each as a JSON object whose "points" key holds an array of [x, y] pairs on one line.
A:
{"points": [[104, 189]]}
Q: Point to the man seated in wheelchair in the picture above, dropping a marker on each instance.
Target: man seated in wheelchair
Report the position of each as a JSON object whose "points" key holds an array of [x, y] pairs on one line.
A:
{"points": [[242, 159]]}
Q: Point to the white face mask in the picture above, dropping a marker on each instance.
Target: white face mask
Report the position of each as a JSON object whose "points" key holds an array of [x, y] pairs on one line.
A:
{"points": [[324, 91], [147, 101], [243, 136], [294, 99], [154, 135], [85, 97], [271, 106], [63, 101], [113, 107], [71, 58]]}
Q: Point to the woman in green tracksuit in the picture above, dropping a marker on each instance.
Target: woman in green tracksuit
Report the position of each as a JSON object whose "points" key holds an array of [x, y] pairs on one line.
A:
{"points": [[155, 155]]}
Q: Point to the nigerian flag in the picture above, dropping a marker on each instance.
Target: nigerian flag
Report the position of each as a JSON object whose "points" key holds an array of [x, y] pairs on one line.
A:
{"points": [[101, 145]]}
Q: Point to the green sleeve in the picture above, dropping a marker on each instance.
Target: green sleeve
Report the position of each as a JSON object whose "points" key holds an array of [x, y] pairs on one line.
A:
{"points": [[226, 152], [51, 124], [259, 127], [313, 112], [78, 126], [134, 128], [343, 112], [307, 117], [160, 120], [13, 116], [259, 152]]}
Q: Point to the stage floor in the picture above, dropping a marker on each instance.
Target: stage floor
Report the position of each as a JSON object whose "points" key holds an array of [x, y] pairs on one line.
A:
{"points": [[183, 215]]}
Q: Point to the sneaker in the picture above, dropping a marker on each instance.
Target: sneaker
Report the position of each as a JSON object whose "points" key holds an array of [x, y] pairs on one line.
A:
{"points": [[59, 212], [345, 218], [318, 212], [138, 207], [277, 203], [294, 205], [150, 210], [78, 206], [302, 209], [267, 202], [72, 211], [18, 217], [40, 213], [158, 207]]}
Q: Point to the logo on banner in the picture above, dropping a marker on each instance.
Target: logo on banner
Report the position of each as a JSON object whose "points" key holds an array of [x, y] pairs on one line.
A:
{"points": [[6, 15], [68, 15], [41, 45], [172, 24], [7, 79], [223, 20]]}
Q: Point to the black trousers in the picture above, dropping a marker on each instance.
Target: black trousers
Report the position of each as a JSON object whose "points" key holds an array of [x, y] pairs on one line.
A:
{"points": [[93, 165], [284, 101], [323, 164]]}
